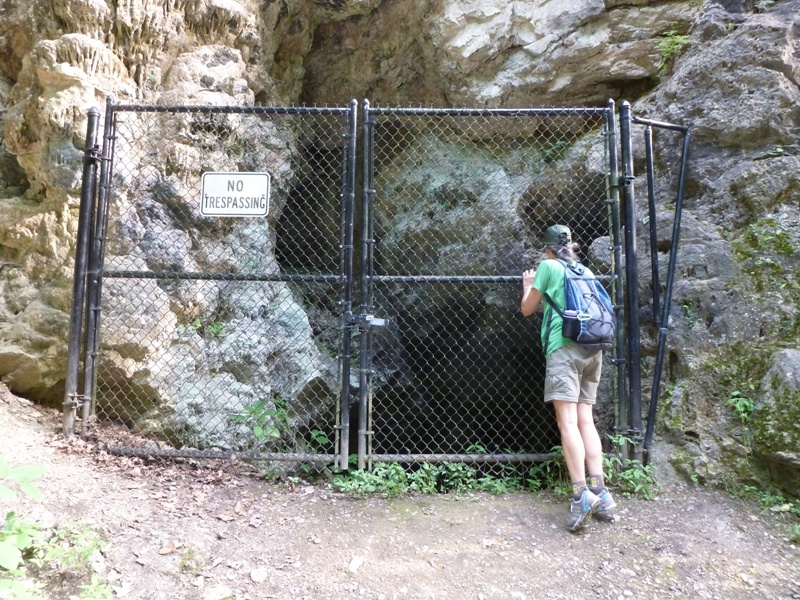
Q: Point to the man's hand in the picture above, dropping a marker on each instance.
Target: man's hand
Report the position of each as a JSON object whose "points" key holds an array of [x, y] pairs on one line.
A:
{"points": [[527, 278], [530, 296]]}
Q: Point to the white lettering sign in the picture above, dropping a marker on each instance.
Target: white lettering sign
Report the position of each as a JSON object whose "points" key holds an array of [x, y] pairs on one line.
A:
{"points": [[234, 194]]}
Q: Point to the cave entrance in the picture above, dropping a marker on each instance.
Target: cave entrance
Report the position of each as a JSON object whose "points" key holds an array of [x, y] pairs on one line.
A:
{"points": [[370, 307]]}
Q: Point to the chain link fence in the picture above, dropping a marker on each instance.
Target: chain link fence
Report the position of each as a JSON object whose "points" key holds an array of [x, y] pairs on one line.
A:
{"points": [[302, 285], [456, 203]]}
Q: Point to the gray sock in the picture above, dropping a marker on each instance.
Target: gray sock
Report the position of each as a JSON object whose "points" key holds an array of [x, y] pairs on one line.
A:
{"points": [[578, 488], [596, 484]]}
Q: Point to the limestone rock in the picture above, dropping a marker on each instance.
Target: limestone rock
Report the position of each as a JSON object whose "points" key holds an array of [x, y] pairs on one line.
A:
{"points": [[776, 419]]}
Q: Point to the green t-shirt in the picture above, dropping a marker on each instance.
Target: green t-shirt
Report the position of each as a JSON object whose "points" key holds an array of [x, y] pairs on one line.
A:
{"points": [[550, 280]]}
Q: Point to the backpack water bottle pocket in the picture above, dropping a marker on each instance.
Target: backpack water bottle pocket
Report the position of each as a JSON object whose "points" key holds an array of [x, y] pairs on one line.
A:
{"points": [[571, 326]]}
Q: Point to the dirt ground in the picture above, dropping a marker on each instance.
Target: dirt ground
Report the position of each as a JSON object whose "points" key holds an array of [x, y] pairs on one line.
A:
{"points": [[210, 532]]}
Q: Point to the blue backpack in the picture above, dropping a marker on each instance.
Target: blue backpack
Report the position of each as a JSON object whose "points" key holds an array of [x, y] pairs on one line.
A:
{"points": [[588, 315]]}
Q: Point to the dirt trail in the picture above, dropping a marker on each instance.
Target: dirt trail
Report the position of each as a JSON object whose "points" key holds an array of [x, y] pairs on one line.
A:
{"points": [[208, 533]]}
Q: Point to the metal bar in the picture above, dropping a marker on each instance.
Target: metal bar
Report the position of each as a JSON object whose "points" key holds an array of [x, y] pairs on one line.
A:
{"points": [[662, 333], [631, 283], [463, 458], [348, 213], [486, 112], [331, 458], [651, 212], [459, 278], [660, 124], [85, 217], [612, 184], [367, 255], [95, 279], [226, 454], [217, 276], [251, 110]]}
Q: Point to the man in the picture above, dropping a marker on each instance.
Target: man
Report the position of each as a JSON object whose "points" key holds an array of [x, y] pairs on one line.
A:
{"points": [[571, 379]]}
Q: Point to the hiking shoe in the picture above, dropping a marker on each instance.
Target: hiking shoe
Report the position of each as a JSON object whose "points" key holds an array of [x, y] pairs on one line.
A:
{"points": [[580, 510], [604, 510]]}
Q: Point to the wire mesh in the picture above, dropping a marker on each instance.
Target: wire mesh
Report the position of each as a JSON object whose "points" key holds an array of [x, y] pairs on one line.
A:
{"points": [[461, 202], [224, 332]]}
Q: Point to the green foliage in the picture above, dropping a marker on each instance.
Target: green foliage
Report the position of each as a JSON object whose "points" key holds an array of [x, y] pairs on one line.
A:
{"points": [[212, 328], [793, 533], [21, 478], [757, 246], [690, 314], [385, 478], [16, 540], [319, 437], [424, 480], [670, 44], [267, 423], [16, 536], [773, 504], [551, 474], [508, 481], [735, 367], [555, 150], [30, 556], [70, 547], [630, 476], [742, 403], [448, 477]]}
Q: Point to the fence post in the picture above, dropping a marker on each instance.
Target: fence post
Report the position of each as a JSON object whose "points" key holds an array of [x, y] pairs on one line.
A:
{"points": [[347, 274], [618, 298], [85, 218], [631, 284], [94, 275], [664, 320], [367, 253]]}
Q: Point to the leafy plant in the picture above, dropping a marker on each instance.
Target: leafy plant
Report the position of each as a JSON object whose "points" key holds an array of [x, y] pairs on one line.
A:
{"points": [[29, 555], [742, 405], [387, 478], [16, 536], [775, 504], [632, 477], [267, 423], [458, 477], [425, 479], [550, 473], [629, 475], [670, 44], [319, 437], [214, 328], [508, 481]]}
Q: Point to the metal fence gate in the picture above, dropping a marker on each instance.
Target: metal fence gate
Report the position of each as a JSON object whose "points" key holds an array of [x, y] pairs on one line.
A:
{"points": [[302, 285]]}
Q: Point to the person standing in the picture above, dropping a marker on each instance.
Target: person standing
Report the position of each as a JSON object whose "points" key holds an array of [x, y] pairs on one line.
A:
{"points": [[572, 375]]}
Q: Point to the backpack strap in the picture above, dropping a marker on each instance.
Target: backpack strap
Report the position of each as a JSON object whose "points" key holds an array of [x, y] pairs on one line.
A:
{"points": [[553, 305], [575, 267]]}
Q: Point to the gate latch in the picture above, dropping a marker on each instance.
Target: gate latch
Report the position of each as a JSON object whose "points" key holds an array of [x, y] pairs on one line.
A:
{"points": [[363, 320]]}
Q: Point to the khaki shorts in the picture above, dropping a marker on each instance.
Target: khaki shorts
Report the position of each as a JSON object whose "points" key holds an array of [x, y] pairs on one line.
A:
{"points": [[573, 374]]}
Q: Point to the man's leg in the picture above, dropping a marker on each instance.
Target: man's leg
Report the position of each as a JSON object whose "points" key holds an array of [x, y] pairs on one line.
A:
{"points": [[593, 449], [584, 503], [571, 440]]}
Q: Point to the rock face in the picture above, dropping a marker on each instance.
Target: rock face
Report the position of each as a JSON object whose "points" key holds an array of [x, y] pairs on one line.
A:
{"points": [[727, 69]]}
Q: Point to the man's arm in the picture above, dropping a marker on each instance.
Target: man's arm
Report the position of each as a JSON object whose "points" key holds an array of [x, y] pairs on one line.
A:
{"points": [[530, 297]]}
